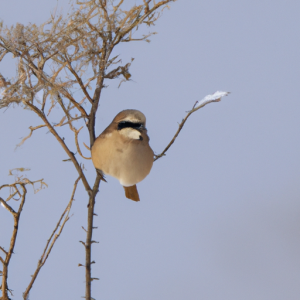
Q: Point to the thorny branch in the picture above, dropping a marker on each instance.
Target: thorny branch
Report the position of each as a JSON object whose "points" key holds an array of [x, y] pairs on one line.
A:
{"points": [[59, 61], [89, 235], [19, 184]]}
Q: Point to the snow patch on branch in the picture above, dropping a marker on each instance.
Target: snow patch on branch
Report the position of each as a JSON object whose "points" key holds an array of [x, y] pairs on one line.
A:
{"points": [[215, 97]]}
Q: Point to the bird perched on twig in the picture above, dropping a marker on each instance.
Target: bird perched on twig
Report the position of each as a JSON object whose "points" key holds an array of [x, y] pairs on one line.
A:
{"points": [[122, 150]]}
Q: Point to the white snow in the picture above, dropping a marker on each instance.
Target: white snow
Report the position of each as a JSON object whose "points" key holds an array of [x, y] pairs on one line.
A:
{"points": [[213, 97]]}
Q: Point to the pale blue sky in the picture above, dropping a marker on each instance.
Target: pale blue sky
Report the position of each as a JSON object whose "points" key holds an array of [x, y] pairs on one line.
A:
{"points": [[219, 217]]}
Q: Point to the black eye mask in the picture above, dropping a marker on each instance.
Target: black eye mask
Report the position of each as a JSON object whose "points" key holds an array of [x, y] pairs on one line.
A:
{"points": [[126, 124]]}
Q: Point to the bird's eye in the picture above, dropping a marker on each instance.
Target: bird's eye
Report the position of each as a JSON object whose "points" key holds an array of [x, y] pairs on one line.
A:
{"points": [[126, 124]]}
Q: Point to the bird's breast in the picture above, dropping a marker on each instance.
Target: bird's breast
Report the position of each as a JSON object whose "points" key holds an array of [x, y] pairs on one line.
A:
{"points": [[127, 159]]}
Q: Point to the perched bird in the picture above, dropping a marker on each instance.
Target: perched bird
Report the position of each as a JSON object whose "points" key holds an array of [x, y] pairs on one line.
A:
{"points": [[122, 150]]}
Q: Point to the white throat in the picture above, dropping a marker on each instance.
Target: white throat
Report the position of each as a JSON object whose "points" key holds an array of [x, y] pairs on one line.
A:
{"points": [[130, 133]]}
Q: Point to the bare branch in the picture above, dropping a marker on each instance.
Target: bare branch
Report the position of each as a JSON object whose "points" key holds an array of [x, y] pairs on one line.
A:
{"points": [[144, 38], [116, 7], [12, 196], [62, 143], [8, 207], [2, 54], [86, 146], [88, 243], [9, 253], [72, 47], [108, 21], [139, 18], [76, 142], [79, 80], [30, 134], [3, 250], [70, 121], [51, 241], [120, 70], [216, 97]]}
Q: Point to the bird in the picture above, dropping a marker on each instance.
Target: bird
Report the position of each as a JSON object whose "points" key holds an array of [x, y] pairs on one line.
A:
{"points": [[122, 151]]}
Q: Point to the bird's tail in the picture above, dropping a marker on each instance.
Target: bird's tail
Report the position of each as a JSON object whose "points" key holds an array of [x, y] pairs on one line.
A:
{"points": [[131, 193]]}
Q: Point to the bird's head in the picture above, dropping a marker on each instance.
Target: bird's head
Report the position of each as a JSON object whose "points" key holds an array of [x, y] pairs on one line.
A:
{"points": [[131, 123]]}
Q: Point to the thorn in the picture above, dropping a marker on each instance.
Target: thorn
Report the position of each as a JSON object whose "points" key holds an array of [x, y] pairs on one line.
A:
{"points": [[82, 243], [83, 228], [94, 242], [99, 172], [66, 159]]}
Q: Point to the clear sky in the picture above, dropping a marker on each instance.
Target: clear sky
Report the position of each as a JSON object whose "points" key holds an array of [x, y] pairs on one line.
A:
{"points": [[219, 217]]}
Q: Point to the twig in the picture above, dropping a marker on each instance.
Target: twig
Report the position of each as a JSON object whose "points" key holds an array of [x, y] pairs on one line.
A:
{"points": [[88, 243], [51, 241], [7, 206], [76, 141], [30, 134], [79, 80], [108, 21], [62, 143], [86, 146], [139, 19], [60, 124], [5, 262], [71, 120], [216, 97], [12, 196], [3, 250]]}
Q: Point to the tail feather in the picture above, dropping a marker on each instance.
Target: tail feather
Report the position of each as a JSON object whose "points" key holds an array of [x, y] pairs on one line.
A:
{"points": [[131, 193]]}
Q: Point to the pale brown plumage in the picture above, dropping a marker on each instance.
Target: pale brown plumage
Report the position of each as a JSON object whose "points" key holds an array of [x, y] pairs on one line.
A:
{"points": [[122, 150]]}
